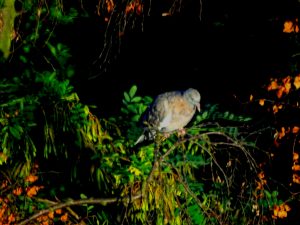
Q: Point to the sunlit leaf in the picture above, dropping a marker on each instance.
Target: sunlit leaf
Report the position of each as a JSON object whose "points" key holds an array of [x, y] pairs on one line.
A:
{"points": [[281, 133], [290, 26], [126, 96], [83, 196], [251, 98], [297, 82], [287, 84], [273, 85], [134, 170], [136, 99], [295, 157], [132, 91], [261, 102], [296, 167], [295, 129], [276, 108], [52, 49], [296, 178], [280, 91]]}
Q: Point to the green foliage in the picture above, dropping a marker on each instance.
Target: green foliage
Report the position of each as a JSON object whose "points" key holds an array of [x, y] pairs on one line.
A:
{"points": [[200, 178], [207, 176], [133, 108], [38, 108]]}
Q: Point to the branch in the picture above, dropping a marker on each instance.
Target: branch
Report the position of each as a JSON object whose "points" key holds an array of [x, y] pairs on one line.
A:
{"points": [[190, 139], [101, 201]]}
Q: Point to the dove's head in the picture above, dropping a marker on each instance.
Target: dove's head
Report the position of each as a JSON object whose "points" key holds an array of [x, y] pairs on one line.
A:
{"points": [[193, 96]]}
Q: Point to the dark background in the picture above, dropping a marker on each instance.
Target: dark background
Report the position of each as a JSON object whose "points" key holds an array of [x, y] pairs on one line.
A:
{"points": [[227, 55]]}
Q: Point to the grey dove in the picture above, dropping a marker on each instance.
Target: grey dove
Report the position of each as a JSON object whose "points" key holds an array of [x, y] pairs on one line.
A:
{"points": [[169, 112]]}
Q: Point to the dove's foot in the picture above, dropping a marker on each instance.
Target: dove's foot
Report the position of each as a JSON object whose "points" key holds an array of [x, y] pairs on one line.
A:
{"points": [[181, 132]]}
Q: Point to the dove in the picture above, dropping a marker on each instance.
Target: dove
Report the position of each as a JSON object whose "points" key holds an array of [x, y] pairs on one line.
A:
{"points": [[170, 111]]}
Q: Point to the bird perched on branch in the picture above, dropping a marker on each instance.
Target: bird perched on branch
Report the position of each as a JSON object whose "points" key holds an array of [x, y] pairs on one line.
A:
{"points": [[169, 112]]}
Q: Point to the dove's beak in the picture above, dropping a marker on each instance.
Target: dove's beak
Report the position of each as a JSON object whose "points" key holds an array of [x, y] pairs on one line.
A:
{"points": [[198, 107]]}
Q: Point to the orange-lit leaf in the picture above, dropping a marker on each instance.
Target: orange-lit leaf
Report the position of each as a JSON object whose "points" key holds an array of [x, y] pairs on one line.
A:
{"points": [[261, 102], [261, 175], [295, 157], [64, 217], [280, 91], [297, 82], [251, 98], [17, 191], [4, 184], [296, 167], [31, 178], [32, 191], [289, 27], [287, 207], [109, 5], [281, 133], [295, 129], [58, 211], [259, 185], [11, 218], [51, 215], [287, 84], [139, 9], [273, 85], [280, 211], [287, 87], [296, 178], [276, 108], [282, 214]]}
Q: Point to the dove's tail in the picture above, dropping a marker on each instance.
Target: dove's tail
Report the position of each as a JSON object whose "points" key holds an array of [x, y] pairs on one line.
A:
{"points": [[140, 139], [147, 135]]}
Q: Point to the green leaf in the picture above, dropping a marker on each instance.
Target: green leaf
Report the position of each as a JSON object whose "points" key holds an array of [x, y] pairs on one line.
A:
{"points": [[135, 118], [127, 98], [136, 99], [147, 100], [133, 108], [132, 91], [52, 49], [23, 58], [16, 131], [89, 208], [26, 48], [275, 194], [125, 111], [204, 115], [226, 114], [196, 215], [83, 196]]}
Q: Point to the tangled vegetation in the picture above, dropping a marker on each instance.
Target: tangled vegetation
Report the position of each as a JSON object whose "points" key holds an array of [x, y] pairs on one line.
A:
{"points": [[61, 162]]}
